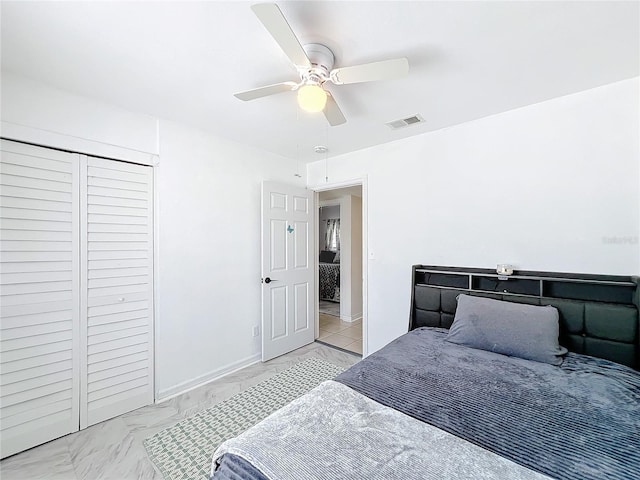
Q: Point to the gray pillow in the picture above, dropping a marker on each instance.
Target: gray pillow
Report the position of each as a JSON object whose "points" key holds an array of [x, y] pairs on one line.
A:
{"points": [[514, 329], [327, 256]]}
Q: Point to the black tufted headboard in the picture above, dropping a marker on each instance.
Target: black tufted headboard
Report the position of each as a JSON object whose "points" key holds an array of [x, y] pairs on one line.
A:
{"points": [[598, 313]]}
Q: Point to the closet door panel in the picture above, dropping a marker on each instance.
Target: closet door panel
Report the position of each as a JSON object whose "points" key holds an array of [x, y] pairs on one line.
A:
{"points": [[37, 194], [117, 375], [39, 295]]}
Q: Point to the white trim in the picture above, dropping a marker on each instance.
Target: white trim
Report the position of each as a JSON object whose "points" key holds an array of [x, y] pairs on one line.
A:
{"points": [[351, 318], [363, 182], [156, 262], [151, 197], [365, 266], [156, 273], [61, 141], [84, 292], [316, 267], [184, 387], [343, 184], [329, 203]]}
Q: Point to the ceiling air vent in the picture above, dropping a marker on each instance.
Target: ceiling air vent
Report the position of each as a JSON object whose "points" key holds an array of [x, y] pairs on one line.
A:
{"points": [[405, 122]]}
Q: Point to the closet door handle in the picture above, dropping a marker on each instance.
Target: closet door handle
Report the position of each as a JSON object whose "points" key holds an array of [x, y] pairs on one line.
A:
{"points": [[268, 280]]}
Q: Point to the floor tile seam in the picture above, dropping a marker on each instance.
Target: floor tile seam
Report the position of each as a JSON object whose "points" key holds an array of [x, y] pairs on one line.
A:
{"points": [[351, 336], [344, 336], [337, 344]]}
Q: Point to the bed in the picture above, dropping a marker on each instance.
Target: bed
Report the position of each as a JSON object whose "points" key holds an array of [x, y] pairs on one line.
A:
{"points": [[429, 405], [329, 274]]}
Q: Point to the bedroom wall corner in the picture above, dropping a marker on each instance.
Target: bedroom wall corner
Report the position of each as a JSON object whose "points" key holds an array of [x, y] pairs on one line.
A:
{"points": [[209, 295], [37, 113], [207, 194]]}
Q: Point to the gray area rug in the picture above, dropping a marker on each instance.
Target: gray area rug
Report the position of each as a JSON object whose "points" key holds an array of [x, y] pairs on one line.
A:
{"points": [[330, 308], [184, 451]]}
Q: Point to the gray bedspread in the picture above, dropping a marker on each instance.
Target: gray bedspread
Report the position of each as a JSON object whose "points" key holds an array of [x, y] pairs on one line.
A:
{"points": [[335, 433], [329, 275], [579, 421]]}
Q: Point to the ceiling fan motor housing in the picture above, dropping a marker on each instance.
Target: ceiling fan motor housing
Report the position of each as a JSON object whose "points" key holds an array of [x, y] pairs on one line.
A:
{"points": [[322, 59]]}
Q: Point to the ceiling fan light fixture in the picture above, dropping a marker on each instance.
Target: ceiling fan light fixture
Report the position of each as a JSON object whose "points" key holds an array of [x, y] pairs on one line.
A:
{"points": [[314, 62], [312, 98]]}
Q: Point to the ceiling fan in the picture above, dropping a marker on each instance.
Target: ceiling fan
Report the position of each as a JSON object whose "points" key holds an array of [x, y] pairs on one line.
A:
{"points": [[315, 66]]}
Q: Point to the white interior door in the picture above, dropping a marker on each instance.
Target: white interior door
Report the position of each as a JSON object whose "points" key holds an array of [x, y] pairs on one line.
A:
{"points": [[288, 280], [116, 307], [39, 296]]}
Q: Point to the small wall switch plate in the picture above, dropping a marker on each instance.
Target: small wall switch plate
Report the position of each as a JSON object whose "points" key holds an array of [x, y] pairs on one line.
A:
{"points": [[256, 331]]}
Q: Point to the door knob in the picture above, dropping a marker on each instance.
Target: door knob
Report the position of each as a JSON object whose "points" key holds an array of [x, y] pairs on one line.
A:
{"points": [[267, 280]]}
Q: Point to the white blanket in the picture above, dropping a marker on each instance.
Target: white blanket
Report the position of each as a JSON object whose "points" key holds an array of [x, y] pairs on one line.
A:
{"points": [[335, 433]]}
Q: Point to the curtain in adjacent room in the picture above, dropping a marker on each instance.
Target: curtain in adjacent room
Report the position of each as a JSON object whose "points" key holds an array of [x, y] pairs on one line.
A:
{"points": [[332, 235]]}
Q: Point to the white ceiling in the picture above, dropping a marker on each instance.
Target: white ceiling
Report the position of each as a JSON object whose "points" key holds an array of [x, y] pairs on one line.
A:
{"points": [[184, 60]]}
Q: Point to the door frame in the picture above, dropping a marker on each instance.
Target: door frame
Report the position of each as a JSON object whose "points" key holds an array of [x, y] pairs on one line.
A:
{"points": [[362, 182]]}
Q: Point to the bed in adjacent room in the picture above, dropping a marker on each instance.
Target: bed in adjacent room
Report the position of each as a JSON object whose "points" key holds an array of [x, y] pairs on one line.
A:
{"points": [[493, 394], [329, 275]]}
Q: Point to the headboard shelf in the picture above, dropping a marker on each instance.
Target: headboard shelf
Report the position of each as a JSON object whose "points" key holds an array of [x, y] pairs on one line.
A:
{"points": [[598, 313], [568, 277], [595, 288]]}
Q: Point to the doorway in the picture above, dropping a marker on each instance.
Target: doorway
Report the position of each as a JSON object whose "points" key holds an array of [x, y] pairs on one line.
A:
{"points": [[340, 268]]}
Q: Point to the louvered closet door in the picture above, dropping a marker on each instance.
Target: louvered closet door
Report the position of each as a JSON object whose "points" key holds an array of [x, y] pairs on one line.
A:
{"points": [[39, 296], [117, 375]]}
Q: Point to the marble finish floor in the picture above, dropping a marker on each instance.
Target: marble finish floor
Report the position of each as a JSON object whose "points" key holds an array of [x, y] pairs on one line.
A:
{"points": [[346, 335], [113, 450]]}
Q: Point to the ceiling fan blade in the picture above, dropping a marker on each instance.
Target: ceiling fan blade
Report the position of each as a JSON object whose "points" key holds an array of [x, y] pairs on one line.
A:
{"points": [[332, 112], [265, 91], [369, 72], [273, 20]]}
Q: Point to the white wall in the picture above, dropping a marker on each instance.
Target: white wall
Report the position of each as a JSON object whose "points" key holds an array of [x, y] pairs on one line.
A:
{"points": [[552, 186], [209, 294], [52, 117], [356, 258], [208, 219], [350, 258]]}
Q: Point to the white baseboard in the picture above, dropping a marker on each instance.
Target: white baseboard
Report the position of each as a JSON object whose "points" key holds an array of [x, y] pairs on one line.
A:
{"points": [[351, 318], [184, 387]]}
